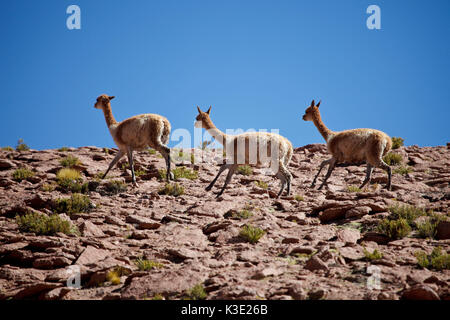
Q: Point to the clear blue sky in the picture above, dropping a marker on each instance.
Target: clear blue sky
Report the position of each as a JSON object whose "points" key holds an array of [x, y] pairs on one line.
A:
{"points": [[258, 63]]}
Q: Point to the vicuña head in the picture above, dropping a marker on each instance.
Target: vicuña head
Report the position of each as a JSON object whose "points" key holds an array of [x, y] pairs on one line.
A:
{"points": [[203, 120], [311, 112], [103, 101]]}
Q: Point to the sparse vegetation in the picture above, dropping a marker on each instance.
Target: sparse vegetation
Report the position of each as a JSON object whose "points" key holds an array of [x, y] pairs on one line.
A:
{"points": [[428, 228], [7, 148], [158, 297], [394, 229], [393, 158], [48, 187], [179, 172], [172, 189], [113, 277], [21, 146], [69, 162], [151, 151], [63, 149], [70, 180], [196, 293], [115, 187], [407, 212], [245, 170], [251, 234], [436, 260], [147, 265], [397, 142], [42, 224], [139, 172], [22, 174], [354, 189], [262, 184], [374, 255], [75, 204], [299, 198], [238, 214], [403, 170]]}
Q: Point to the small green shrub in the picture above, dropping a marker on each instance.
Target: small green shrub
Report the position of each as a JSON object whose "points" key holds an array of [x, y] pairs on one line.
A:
{"points": [[239, 215], [70, 161], [245, 170], [262, 184], [428, 228], [179, 172], [436, 260], [403, 170], [158, 297], [48, 187], [113, 275], [251, 234], [299, 198], [147, 265], [394, 229], [353, 189], [172, 189], [115, 187], [21, 146], [370, 256], [397, 142], [70, 180], [63, 149], [151, 151], [41, 224], [407, 212], [75, 204], [22, 174], [139, 173], [196, 293], [68, 174], [393, 158], [7, 148]]}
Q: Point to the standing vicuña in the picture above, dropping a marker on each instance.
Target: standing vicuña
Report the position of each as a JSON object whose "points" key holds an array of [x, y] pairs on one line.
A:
{"points": [[136, 133], [251, 148], [351, 147]]}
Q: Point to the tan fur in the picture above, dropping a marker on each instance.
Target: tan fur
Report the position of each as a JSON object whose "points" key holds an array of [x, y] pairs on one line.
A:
{"points": [[352, 146], [241, 143], [136, 133]]}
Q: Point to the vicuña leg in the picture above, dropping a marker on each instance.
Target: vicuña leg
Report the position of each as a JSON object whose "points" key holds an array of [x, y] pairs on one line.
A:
{"points": [[113, 163], [322, 165], [222, 169], [368, 174], [330, 170], [228, 179]]}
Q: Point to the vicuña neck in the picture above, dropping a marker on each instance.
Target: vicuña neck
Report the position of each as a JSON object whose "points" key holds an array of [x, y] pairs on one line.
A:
{"points": [[324, 131], [108, 115], [220, 136]]}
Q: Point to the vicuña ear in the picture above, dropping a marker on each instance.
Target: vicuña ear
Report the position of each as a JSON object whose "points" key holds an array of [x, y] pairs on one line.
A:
{"points": [[318, 103], [111, 97], [312, 103], [209, 110], [199, 111]]}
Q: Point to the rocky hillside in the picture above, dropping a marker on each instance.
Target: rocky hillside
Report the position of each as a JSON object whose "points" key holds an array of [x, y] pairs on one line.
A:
{"points": [[135, 243]]}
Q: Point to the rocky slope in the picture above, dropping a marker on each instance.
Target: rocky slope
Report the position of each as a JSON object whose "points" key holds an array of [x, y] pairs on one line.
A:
{"points": [[313, 246]]}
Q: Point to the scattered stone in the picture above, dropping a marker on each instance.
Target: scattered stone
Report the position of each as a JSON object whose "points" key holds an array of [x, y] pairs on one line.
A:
{"points": [[315, 263], [420, 292]]}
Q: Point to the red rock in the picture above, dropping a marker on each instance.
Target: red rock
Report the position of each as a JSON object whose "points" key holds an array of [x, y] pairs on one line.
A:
{"points": [[315, 263], [348, 235], [51, 262], [88, 229], [357, 212], [420, 292], [443, 230], [91, 255]]}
